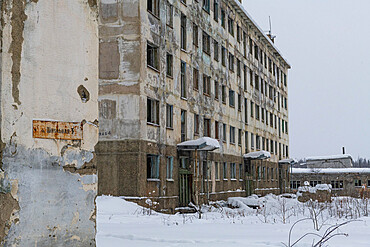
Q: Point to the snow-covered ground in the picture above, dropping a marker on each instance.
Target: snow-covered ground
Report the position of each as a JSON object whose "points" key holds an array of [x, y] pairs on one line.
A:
{"points": [[122, 223]]}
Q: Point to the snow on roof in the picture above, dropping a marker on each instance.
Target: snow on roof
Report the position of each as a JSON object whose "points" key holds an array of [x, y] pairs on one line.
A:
{"points": [[330, 170], [288, 161], [202, 144], [257, 155], [329, 157]]}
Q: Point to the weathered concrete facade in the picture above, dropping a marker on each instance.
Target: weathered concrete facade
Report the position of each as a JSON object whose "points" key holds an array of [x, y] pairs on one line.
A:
{"points": [[150, 57], [49, 64]]}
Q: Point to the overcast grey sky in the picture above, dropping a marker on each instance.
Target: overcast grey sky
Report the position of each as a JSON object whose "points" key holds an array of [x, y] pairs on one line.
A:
{"points": [[327, 43]]}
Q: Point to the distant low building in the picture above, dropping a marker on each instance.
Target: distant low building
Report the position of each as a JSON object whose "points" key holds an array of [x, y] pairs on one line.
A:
{"points": [[336, 170]]}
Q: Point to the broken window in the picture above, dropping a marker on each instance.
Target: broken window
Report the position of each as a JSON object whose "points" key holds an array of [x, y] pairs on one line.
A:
{"points": [[152, 111], [215, 10], [183, 32], [206, 5], [152, 162], [206, 85], [183, 125], [232, 170], [245, 110], [169, 116], [231, 98], [217, 129], [169, 167], [272, 146], [183, 79], [223, 56], [207, 127], [262, 115], [223, 94], [239, 102], [245, 78], [216, 90], [252, 141], [258, 142], [252, 109], [239, 137], [257, 112], [250, 46], [206, 43], [251, 77], [232, 135], [231, 62], [169, 65], [195, 79], [215, 50], [224, 132], [257, 82], [169, 15], [196, 124], [238, 67], [195, 35], [152, 56], [224, 171], [246, 143], [153, 7], [223, 18], [231, 26]]}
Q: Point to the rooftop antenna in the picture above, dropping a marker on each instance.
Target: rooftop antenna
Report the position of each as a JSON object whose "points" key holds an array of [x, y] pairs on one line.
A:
{"points": [[272, 37]]}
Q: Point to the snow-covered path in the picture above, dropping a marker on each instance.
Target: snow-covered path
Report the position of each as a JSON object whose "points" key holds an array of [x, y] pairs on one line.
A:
{"points": [[121, 223]]}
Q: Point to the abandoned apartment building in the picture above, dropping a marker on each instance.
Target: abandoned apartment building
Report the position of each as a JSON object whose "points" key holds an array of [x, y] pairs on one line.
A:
{"points": [[179, 70], [336, 170]]}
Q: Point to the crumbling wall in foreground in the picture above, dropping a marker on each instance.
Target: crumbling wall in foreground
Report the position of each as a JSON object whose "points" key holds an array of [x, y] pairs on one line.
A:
{"points": [[49, 125]]}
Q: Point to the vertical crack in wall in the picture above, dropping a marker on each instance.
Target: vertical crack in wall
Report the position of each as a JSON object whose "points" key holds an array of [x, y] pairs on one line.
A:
{"points": [[17, 22]]}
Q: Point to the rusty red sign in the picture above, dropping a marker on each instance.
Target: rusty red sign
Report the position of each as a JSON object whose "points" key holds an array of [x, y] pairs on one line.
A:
{"points": [[57, 130]]}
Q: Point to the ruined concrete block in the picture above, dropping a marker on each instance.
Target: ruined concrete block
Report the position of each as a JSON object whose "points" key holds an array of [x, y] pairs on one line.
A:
{"points": [[109, 60]]}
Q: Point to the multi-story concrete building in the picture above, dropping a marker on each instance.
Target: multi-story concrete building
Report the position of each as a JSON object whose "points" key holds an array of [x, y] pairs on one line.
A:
{"points": [[177, 70]]}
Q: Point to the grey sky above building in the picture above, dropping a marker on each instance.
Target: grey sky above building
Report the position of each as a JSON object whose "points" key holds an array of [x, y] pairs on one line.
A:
{"points": [[327, 44]]}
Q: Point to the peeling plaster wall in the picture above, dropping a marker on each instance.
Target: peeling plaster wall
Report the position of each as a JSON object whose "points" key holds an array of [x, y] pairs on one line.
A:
{"points": [[49, 71]]}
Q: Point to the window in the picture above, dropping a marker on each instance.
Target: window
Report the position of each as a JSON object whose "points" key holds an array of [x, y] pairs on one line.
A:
{"points": [[169, 16], [252, 141], [251, 77], [263, 172], [256, 51], [217, 171], [231, 98], [256, 82], [232, 170], [287, 151], [183, 79], [196, 124], [183, 32], [206, 85], [250, 45], [223, 56], [272, 146], [239, 102], [223, 18], [252, 109], [215, 10], [216, 90], [238, 68], [262, 115], [246, 142], [259, 173], [207, 127], [153, 7], [262, 86], [206, 43], [231, 62], [195, 79], [271, 119], [152, 166], [152, 53], [337, 184], [152, 111], [195, 35], [238, 33], [183, 125], [217, 130], [295, 184], [169, 64], [239, 137], [257, 112], [223, 94], [206, 5], [368, 183], [263, 143], [358, 183], [314, 183], [231, 26], [245, 78], [169, 167], [258, 142], [169, 116], [215, 50], [224, 132], [245, 110], [224, 170], [232, 135]]}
